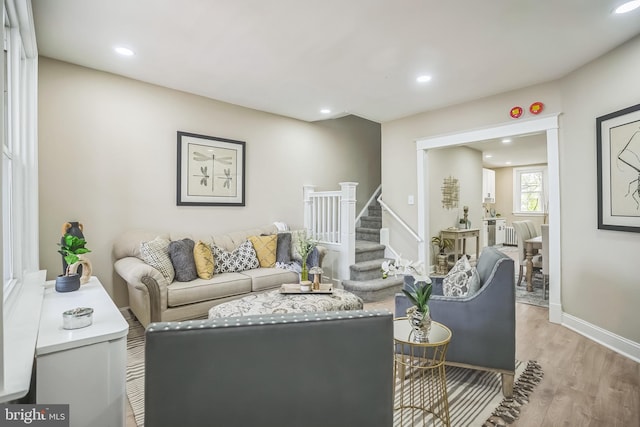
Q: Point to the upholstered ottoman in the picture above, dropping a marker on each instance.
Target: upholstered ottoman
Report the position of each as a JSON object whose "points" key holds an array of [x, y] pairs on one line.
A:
{"points": [[273, 302]]}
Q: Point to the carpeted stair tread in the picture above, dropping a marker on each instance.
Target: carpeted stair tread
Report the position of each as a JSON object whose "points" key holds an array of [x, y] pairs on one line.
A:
{"points": [[375, 289], [366, 245], [367, 251], [372, 285], [371, 234], [366, 270], [369, 265], [371, 222]]}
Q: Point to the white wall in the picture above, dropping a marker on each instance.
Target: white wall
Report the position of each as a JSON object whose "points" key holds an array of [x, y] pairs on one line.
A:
{"points": [[600, 283], [107, 148], [462, 163]]}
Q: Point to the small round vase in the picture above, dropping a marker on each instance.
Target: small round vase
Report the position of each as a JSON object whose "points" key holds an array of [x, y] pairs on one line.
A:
{"points": [[420, 323], [68, 283]]}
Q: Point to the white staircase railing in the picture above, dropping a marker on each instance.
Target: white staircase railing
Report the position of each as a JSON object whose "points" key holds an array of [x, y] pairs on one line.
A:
{"points": [[384, 232], [329, 216]]}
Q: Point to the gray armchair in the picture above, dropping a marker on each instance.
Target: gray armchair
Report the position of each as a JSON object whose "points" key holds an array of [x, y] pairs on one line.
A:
{"points": [[483, 325], [285, 370]]}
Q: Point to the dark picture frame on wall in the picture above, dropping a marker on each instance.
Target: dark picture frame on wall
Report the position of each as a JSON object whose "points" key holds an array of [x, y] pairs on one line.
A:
{"points": [[211, 171], [618, 153]]}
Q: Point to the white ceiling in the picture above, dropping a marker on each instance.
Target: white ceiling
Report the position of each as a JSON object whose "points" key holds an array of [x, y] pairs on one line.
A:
{"points": [[521, 150], [294, 57]]}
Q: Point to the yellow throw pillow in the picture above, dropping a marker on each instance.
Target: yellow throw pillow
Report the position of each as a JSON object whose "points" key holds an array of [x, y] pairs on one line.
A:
{"points": [[265, 247], [204, 260]]}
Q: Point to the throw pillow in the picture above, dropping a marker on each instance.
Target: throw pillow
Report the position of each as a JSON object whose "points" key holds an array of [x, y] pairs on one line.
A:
{"points": [[242, 258], [283, 250], [456, 282], [265, 247], [203, 258], [181, 254], [474, 282], [156, 254]]}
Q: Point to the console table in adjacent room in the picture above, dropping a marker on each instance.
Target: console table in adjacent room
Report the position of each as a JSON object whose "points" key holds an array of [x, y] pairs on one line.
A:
{"points": [[460, 235], [86, 367]]}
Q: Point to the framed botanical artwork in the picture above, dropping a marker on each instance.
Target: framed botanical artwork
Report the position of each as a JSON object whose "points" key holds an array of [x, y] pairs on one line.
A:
{"points": [[210, 171], [618, 145]]}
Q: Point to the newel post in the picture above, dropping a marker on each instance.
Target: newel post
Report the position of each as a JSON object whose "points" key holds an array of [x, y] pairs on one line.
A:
{"points": [[347, 227], [306, 196]]}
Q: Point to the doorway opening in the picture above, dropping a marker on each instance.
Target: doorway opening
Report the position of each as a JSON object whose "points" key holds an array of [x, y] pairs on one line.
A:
{"points": [[548, 125]]}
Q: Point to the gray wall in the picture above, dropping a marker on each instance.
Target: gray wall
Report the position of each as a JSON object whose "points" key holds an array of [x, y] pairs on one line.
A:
{"points": [[107, 158], [600, 283]]}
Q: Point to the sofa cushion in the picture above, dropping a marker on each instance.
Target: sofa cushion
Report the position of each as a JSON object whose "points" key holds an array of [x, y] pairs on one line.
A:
{"points": [[265, 247], [220, 286], [267, 278], [181, 254], [283, 250], [457, 282], [242, 258], [203, 258], [156, 254]]}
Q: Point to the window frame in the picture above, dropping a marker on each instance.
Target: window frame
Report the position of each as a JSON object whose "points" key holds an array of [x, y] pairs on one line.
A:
{"points": [[517, 189], [21, 292]]}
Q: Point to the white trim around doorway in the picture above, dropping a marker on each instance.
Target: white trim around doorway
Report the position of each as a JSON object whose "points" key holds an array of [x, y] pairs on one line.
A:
{"points": [[548, 124]]}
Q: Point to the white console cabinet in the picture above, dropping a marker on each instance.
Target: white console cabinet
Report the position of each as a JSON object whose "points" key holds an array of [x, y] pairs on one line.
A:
{"points": [[85, 368]]}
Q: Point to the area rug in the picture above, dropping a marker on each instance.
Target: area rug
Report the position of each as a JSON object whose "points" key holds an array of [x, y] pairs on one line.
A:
{"points": [[475, 397], [522, 295]]}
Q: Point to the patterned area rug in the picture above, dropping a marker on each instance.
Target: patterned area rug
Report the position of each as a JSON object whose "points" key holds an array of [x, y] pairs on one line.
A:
{"points": [[475, 397]]}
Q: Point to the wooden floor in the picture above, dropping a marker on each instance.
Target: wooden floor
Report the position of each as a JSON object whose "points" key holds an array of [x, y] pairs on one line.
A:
{"points": [[585, 384]]}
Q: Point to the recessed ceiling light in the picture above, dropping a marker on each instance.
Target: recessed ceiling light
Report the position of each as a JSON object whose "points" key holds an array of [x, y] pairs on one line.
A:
{"points": [[507, 163], [628, 6], [325, 111], [423, 79], [124, 51], [506, 141], [488, 156]]}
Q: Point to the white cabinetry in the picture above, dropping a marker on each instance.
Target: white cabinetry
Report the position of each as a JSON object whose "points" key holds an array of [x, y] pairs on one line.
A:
{"points": [[501, 232], [86, 367], [488, 186], [493, 231]]}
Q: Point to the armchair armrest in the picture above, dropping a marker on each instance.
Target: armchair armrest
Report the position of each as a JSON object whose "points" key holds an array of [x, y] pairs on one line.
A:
{"points": [[144, 277]]}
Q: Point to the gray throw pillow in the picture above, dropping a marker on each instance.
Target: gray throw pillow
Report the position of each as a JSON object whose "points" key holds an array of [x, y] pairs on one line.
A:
{"points": [[283, 251], [184, 264]]}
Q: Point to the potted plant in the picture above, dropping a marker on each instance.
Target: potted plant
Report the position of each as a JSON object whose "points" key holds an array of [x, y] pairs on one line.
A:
{"points": [[441, 257], [418, 314], [305, 246], [418, 289], [71, 248]]}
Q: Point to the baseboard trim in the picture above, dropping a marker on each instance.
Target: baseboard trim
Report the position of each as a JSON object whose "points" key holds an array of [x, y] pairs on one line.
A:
{"points": [[619, 344]]}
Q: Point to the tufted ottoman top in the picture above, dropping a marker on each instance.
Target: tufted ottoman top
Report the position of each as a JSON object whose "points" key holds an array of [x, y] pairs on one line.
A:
{"points": [[273, 302]]}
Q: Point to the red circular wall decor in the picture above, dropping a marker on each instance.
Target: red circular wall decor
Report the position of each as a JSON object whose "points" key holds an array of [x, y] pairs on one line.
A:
{"points": [[516, 112], [536, 107]]}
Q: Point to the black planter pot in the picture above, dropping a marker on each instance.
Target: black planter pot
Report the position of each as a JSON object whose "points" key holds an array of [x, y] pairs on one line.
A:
{"points": [[68, 283]]}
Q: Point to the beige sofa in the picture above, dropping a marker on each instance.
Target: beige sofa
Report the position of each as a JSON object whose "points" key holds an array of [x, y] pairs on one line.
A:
{"points": [[153, 299]]}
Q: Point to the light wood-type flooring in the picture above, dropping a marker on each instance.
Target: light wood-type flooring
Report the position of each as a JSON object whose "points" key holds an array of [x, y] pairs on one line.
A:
{"points": [[585, 384]]}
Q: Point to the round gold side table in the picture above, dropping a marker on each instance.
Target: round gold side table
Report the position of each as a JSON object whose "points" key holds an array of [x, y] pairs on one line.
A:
{"points": [[419, 374]]}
